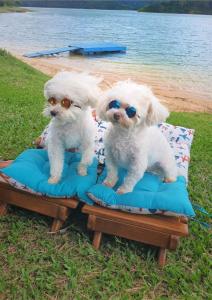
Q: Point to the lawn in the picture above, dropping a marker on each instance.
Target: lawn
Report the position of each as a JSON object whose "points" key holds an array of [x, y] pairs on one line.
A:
{"points": [[37, 265]]}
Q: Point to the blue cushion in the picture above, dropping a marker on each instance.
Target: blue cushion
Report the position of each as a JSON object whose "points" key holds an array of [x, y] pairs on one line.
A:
{"points": [[31, 168], [150, 193]]}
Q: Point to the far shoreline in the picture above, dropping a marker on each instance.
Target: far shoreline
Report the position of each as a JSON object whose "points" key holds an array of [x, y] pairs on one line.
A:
{"points": [[179, 7], [13, 9], [173, 13]]}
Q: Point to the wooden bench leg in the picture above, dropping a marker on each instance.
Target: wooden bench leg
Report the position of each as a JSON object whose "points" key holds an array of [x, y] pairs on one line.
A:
{"points": [[3, 208], [56, 225], [97, 239], [162, 257]]}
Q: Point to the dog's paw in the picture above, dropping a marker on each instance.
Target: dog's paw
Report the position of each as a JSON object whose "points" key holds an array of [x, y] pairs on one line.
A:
{"points": [[82, 170], [120, 191], [53, 180], [169, 180], [110, 182], [123, 190]]}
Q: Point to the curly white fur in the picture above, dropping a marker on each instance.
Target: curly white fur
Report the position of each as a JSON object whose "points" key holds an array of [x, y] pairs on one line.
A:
{"points": [[135, 144], [73, 127]]}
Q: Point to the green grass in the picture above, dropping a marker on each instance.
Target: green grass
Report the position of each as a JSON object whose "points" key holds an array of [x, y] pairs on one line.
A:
{"points": [[37, 265], [21, 100]]}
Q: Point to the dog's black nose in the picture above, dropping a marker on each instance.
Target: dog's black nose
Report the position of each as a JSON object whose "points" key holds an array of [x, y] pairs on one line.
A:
{"points": [[116, 116], [53, 113]]}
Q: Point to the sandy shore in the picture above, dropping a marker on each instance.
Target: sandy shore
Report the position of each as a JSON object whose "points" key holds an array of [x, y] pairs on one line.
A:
{"points": [[175, 100]]}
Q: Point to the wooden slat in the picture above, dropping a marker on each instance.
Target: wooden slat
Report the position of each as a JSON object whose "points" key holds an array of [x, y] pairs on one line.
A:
{"points": [[4, 164], [132, 232], [69, 202], [169, 225], [33, 203]]}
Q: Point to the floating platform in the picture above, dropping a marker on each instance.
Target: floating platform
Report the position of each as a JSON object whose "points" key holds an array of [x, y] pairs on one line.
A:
{"points": [[84, 49]]}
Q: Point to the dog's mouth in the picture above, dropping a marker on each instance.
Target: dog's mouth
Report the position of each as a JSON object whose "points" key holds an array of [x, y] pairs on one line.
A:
{"points": [[121, 123], [115, 121]]}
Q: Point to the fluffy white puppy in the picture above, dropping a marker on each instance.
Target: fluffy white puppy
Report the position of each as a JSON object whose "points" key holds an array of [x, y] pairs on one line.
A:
{"points": [[132, 140], [70, 97]]}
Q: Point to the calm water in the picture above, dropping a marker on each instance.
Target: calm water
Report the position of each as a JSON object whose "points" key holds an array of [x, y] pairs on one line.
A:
{"points": [[174, 49]]}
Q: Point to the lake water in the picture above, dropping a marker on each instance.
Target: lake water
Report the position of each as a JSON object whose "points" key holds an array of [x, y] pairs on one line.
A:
{"points": [[175, 50]]}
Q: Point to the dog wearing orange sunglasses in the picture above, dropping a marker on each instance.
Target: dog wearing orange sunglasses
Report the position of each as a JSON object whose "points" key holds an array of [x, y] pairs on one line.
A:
{"points": [[69, 98], [133, 140]]}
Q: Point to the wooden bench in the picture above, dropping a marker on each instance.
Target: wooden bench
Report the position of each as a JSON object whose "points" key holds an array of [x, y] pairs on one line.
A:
{"points": [[161, 231], [57, 208]]}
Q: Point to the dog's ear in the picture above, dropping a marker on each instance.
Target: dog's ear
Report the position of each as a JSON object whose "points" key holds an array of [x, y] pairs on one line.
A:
{"points": [[94, 96], [102, 108], [94, 91], [47, 86], [156, 113]]}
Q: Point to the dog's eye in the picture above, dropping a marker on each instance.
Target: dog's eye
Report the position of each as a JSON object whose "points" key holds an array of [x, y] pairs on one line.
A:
{"points": [[52, 101], [66, 103]]}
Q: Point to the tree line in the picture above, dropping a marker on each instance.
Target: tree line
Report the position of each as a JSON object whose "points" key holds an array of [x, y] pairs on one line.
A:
{"points": [[180, 7], [88, 4], [9, 2]]}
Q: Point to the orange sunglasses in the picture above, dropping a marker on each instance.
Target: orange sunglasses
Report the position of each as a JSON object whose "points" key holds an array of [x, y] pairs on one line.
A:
{"points": [[66, 103]]}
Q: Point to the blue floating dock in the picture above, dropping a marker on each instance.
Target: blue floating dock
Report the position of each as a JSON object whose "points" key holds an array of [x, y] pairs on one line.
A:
{"points": [[84, 49]]}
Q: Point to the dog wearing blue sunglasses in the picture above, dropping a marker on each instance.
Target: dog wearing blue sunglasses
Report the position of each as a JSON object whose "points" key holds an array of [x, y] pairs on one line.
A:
{"points": [[133, 140]]}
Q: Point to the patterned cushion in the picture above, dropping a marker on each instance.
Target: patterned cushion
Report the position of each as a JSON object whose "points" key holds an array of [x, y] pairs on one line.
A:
{"points": [[177, 134], [179, 138], [16, 184]]}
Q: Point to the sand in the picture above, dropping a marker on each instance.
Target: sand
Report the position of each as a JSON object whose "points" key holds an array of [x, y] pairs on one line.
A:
{"points": [[174, 99]]}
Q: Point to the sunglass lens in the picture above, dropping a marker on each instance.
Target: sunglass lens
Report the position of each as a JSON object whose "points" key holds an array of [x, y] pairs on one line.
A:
{"points": [[66, 103], [114, 104], [131, 111], [52, 101]]}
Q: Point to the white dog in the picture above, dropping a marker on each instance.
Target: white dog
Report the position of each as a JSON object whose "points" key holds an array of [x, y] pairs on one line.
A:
{"points": [[70, 97], [132, 140]]}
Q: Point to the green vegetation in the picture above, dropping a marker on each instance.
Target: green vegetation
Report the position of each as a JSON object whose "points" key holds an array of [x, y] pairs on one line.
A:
{"points": [[21, 102], [180, 7], [11, 9], [9, 2], [37, 265], [11, 6]]}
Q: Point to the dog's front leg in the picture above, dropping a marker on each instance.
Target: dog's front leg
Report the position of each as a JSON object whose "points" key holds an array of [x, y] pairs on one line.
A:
{"points": [[135, 173], [56, 160], [112, 173], [86, 160]]}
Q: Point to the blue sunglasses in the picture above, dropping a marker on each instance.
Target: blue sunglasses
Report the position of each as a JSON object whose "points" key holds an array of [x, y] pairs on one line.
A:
{"points": [[130, 110]]}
